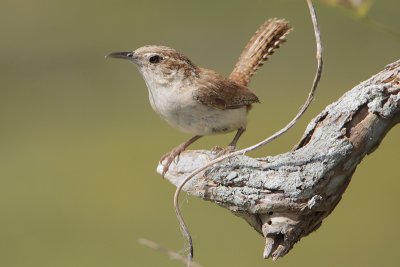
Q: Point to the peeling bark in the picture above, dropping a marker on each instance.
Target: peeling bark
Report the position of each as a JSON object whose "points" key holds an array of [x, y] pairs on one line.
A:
{"points": [[286, 197]]}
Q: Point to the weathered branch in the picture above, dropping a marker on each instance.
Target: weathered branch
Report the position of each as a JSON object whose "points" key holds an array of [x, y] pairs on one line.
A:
{"points": [[286, 197]]}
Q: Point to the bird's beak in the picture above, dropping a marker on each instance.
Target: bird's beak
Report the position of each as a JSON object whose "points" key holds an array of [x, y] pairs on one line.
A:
{"points": [[123, 55]]}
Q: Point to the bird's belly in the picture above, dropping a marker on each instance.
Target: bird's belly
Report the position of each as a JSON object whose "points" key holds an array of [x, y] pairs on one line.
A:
{"points": [[203, 120], [198, 119], [184, 113]]}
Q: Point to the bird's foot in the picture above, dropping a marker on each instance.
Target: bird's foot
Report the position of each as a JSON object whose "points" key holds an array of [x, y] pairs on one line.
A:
{"points": [[226, 150], [216, 149], [169, 157]]}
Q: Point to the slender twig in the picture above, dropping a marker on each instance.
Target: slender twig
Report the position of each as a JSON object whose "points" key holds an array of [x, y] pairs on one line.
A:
{"points": [[170, 253], [302, 110]]}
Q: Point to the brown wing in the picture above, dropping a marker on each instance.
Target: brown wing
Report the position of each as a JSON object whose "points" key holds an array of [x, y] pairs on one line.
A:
{"points": [[216, 91], [263, 44]]}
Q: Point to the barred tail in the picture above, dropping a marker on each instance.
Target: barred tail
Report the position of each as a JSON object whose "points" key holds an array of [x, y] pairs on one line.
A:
{"points": [[263, 44]]}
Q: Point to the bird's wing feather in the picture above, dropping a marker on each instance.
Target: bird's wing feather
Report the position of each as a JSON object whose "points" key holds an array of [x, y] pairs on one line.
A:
{"points": [[221, 93], [263, 44]]}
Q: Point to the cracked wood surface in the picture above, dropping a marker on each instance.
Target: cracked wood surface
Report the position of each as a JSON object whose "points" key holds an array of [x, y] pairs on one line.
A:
{"points": [[286, 197]]}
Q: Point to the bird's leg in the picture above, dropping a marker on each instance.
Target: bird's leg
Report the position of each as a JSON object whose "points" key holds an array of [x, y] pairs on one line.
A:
{"points": [[232, 145], [170, 156]]}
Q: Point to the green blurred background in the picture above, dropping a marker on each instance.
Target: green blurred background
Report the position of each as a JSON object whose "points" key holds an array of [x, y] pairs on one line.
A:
{"points": [[80, 143]]}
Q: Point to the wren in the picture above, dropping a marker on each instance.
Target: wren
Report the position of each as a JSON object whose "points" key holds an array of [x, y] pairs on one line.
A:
{"points": [[200, 101]]}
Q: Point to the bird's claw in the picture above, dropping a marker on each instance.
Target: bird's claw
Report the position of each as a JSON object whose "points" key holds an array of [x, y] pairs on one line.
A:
{"points": [[216, 149], [169, 158], [226, 150]]}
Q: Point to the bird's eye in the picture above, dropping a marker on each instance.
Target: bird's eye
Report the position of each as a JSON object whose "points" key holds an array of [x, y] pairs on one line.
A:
{"points": [[155, 59]]}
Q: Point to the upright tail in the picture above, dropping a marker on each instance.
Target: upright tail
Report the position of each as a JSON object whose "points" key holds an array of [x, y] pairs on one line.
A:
{"points": [[263, 44]]}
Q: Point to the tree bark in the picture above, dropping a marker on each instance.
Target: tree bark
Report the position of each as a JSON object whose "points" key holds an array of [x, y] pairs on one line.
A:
{"points": [[286, 197]]}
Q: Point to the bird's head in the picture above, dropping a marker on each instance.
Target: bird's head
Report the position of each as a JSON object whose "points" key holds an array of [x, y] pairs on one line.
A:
{"points": [[160, 63]]}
